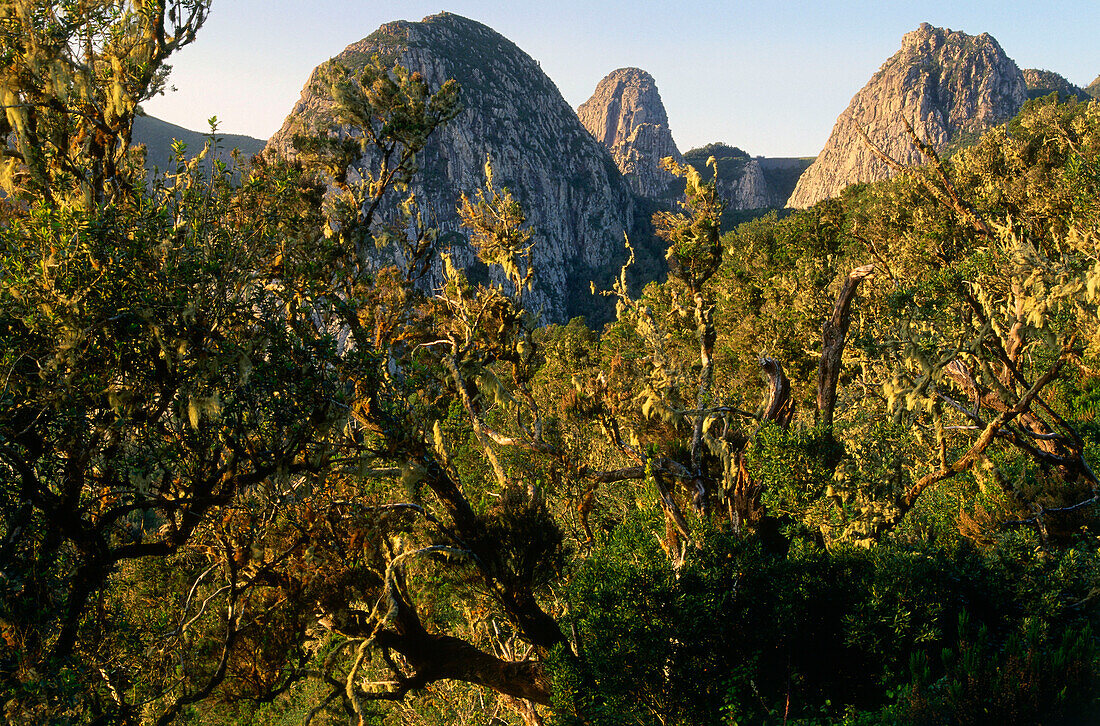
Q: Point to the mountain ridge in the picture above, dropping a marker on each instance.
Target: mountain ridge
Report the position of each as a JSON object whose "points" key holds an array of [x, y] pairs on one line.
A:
{"points": [[157, 136]]}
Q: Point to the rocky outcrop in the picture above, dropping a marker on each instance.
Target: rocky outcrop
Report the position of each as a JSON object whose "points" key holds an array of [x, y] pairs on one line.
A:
{"points": [[1043, 83], [947, 84], [626, 115], [577, 203], [750, 191], [741, 183]]}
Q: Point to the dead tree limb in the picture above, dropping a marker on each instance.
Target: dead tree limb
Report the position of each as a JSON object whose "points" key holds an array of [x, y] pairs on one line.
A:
{"points": [[834, 335], [779, 408], [978, 448]]}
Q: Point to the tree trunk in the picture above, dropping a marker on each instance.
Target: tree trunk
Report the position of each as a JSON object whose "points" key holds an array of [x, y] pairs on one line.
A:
{"points": [[779, 408], [435, 657], [834, 334]]}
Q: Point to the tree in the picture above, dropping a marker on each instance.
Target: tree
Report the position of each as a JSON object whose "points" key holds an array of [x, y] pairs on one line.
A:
{"points": [[1019, 280], [164, 373], [73, 76], [252, 470]]}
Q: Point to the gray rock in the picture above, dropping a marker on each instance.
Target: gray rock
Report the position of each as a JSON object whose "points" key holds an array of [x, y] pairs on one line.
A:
{"points": [[947, 84], [627, 116], [577, 203]]}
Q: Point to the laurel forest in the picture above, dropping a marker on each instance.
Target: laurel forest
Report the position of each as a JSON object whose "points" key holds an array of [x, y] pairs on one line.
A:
{"points": [[269, 456]]}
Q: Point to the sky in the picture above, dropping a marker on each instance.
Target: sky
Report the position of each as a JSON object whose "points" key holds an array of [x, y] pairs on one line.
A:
{"points": [[768, 77]]}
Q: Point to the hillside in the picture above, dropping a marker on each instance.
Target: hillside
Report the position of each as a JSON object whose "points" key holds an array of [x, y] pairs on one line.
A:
{"points": [[158, 135], [781, 174]]}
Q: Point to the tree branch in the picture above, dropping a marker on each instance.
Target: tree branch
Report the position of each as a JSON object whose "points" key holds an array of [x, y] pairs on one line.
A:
{"points": [[983, 442]]}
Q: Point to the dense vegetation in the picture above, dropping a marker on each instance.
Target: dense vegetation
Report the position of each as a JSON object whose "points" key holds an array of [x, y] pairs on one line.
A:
{"points": [[835, 469]]}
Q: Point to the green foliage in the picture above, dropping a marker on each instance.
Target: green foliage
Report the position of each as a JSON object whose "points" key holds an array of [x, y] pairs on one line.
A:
{"points": [[497, 231], [524, 538], [1030, 677], [792, 466], [738, 634], [146, 362], [693, 249], [889, 610], [251, 472]]}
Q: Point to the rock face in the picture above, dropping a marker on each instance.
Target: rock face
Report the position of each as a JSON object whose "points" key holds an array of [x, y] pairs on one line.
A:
{"points": [[741, 182], [945, 83], [750, 191], [577, 203], [626, 115], [1043, 83]]}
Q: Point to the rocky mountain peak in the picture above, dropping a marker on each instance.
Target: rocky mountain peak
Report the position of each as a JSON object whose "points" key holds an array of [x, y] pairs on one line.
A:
{"points": [[944, 82], [928, 39], [625, 99], [577, 204], [627, 116]]}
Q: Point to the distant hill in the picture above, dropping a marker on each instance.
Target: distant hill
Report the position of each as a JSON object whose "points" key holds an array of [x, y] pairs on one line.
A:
{"points": [[741, 183], [1093, 89], [158, 135], [1043, 83], [746, 182]]}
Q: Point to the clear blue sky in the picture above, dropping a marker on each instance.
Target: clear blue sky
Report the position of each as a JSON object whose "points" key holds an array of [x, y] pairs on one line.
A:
{"points": [[770, 77]]}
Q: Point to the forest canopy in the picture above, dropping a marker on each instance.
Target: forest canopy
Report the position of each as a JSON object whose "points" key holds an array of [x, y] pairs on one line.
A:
{"points": [[836, 468]]}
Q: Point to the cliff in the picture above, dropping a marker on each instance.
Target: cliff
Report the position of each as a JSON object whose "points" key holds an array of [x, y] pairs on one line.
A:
{"points": [[577, 203], [947, 84], [626, 115]]}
